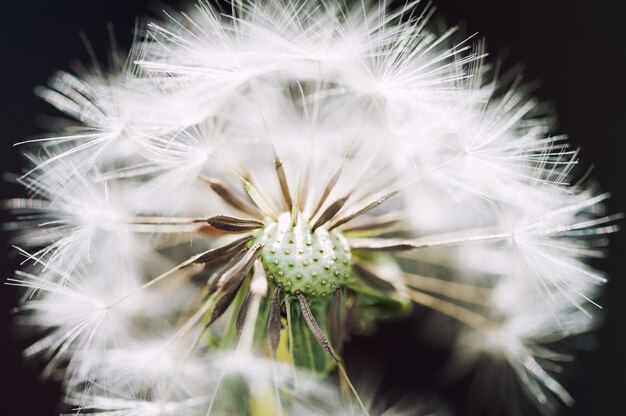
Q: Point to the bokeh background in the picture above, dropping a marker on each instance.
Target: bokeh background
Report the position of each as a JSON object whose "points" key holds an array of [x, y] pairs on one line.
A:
{"points": [[577, 49]]}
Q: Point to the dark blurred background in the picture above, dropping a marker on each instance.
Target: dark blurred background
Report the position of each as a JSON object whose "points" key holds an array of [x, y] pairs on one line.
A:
{"points": [[575, 48]]}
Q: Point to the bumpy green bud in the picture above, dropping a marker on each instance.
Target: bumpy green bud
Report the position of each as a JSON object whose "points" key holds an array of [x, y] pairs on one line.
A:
{"points": [[315, 264]]}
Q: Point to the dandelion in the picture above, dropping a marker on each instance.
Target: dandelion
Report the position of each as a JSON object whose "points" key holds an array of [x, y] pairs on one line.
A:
{"points": [[248, 188]]}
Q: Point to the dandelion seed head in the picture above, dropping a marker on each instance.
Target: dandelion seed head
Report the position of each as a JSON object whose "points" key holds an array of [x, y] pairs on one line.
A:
{"points": [[226, 204], [299, 259]]}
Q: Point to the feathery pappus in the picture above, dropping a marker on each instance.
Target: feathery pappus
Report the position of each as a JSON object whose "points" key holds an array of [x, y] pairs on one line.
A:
{"points": [[246, 188]]}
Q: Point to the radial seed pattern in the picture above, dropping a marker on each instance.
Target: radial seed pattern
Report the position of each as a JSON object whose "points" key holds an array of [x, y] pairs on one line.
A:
{"points": [[249, 189]]}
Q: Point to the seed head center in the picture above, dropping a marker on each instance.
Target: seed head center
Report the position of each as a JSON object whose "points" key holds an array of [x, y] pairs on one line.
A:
{"points": [[315, 264]]}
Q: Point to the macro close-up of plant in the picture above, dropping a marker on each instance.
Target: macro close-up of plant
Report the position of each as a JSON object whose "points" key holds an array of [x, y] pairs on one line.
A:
{"points": [[225, 205]]}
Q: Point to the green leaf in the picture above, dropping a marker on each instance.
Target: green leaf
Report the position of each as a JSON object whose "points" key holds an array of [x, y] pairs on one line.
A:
{"points": [[372, 305], [388, 303], [306, 352]]}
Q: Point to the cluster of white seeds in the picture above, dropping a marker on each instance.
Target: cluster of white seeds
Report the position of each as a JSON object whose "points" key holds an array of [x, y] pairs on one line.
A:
{"points": [[367, 160]]}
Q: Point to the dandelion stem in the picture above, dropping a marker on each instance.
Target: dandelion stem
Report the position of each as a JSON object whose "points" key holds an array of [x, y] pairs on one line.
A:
{"points": [[460, 291], [157, 279], [278, 164], [384, 196], [390, 244], [214, 395], [461, 314], [337, 174], [191, 322], [139, 220], [204, 257], [181, 364]]}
